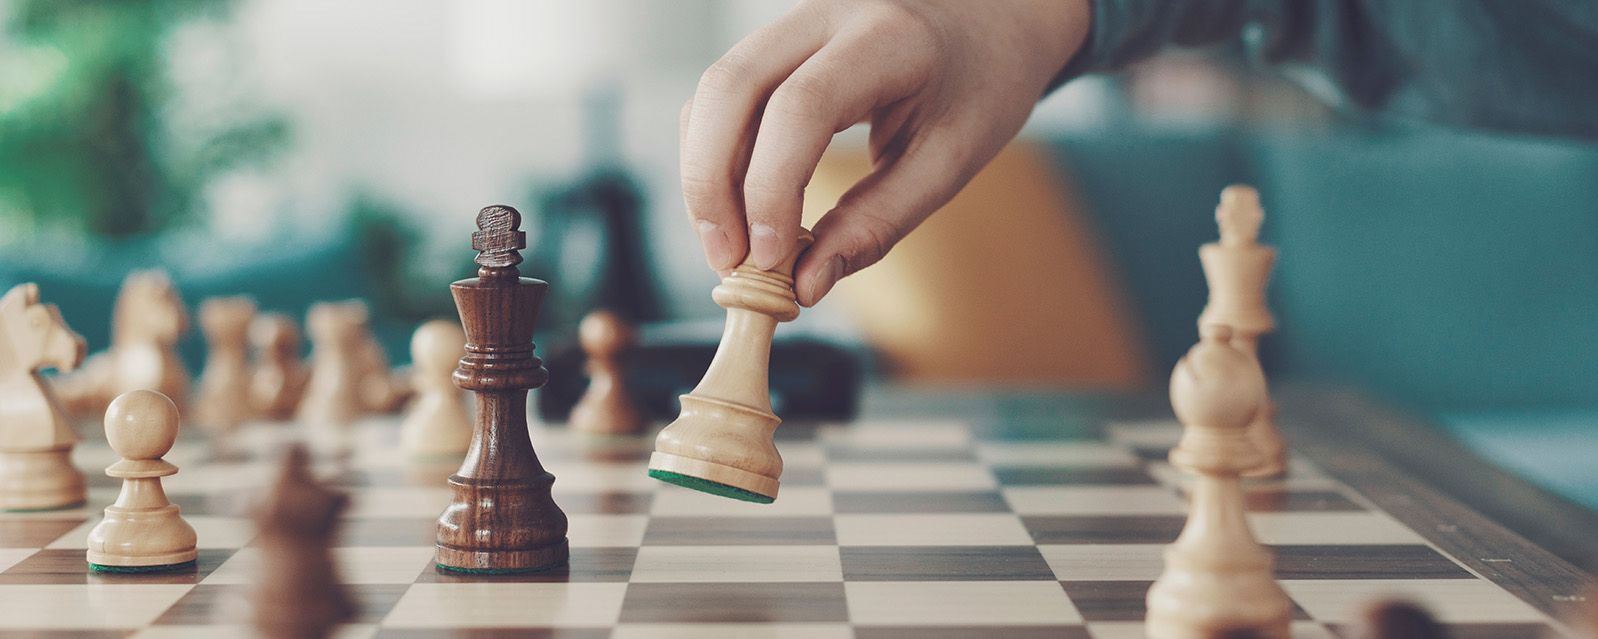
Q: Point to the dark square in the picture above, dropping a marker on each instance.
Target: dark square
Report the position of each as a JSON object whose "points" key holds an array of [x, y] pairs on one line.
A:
{"points": [[70, 566], [1397, 561], [493, 633], [1276, 499], [804, 477], [586, 565], [1110, 529], [606, 503], [966, 632], [735, 603], [919, 502], [208, 604], [944, 563], [1085, 475], [740, 531], [35, 533], [1121, 600], [1152, 453], [849, 454], [388, 532], [1473, 631]]}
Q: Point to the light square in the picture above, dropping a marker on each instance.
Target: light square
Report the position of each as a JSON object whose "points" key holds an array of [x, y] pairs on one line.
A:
{"points": [[356, 565], [947, 603], [735, 564], [596, 531], [410, 501], [211, 532], [954, 529], [95, 606], [733, 631], [798, 501], [1134, 630], [1450, 600], [899, 434], [513, 605], [1094, 500], [1125, 562], [1339, 528], [1054, 454], [887, 476], [348, 631]]}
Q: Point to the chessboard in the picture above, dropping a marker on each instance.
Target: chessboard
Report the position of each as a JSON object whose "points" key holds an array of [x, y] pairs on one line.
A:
{"points": [[921, 522]]}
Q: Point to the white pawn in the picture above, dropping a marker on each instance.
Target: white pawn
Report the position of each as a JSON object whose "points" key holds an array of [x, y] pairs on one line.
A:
{"points": [[437, 423], [142, 531], [1217, 580]]}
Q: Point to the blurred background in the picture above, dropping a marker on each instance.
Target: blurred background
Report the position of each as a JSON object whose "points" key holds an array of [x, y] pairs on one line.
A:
{"points": [[305, 150]]}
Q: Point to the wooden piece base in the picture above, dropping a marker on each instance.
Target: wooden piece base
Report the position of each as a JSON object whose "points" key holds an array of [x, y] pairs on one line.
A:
{"points": [[714, 472], [149, 537], [496, 562], [721, 442], [40, 480]]}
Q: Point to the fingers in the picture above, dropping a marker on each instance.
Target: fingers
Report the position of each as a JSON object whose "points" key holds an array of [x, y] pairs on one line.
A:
{"points": [[719, 125], [835, 88], [878, 212]]}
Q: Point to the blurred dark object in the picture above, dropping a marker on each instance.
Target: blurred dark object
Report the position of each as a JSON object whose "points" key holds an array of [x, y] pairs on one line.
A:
{"points": [[1395, 619], [388, 246], [94, 143], [811, 379], [587, 240]]}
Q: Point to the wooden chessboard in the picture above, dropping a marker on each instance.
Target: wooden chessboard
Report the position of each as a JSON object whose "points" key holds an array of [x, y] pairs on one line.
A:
{"points": [[1014, 519]]}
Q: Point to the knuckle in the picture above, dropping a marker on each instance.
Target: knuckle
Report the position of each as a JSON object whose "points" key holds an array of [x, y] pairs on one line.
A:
{"points": [[703, 196], [804, 96], [726, 74]]}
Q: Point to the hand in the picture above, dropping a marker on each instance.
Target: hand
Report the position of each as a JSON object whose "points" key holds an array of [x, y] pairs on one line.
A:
{"points": [[945, 85]]}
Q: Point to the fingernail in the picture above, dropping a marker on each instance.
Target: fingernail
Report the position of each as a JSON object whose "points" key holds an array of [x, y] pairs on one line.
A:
{"points": [[763, 249], [824, 279], [718, 251]]}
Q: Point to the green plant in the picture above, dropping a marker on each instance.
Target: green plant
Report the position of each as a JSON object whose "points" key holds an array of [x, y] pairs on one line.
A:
{"points": [[88, 139]]}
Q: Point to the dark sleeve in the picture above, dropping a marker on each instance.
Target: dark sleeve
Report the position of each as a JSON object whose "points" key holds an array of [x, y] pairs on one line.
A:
{"points": [[1528, 66]]}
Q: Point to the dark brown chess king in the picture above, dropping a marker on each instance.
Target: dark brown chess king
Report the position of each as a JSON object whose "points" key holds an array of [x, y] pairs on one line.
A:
{"points": [[721, 443], [501, 517]]}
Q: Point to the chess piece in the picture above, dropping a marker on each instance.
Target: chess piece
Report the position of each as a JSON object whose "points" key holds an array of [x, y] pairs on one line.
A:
{"points": [[606, 408], [1238, 269], [36, 438], [278, 381], [1396, 619], [1217, 578], [501, 517], [380, 391], [142, 531], [721, 443], [332, 394], [222, 403], [298, 594], [436, 424], [146, 322]]}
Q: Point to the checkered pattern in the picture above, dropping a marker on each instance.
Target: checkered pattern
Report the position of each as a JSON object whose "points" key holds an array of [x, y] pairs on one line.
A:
{"points": [[882, 529]]}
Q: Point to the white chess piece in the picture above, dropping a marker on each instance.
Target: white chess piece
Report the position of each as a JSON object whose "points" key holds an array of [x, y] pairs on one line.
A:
{"points": [[1237, 269], [142, 530], [1217, 578], [36, 438], [437, 422]]}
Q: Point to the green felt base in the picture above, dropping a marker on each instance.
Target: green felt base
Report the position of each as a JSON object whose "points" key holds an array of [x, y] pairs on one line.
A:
{"points": [[43, 510], [187, 565], [711, 487], [487, 571]]}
